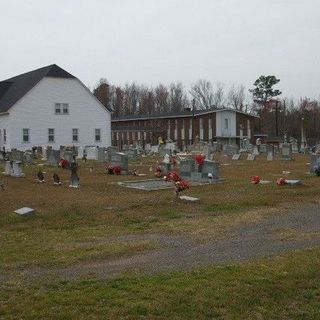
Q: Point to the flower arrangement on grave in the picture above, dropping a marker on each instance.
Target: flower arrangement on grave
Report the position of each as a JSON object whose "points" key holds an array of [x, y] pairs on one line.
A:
{"points": [[199, 158], [172, 177], [317, 170], [281, 181], [180, 186], [64, 164], [113, 169], [158, 173], [255, 179]]}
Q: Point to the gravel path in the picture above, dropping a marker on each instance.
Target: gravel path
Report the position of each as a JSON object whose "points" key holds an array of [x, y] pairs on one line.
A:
{"points": [[179, 252]]}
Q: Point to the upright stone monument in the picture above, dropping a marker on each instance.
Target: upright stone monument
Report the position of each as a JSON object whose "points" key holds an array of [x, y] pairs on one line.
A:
{"points": [[120, 159], [286, 151]]}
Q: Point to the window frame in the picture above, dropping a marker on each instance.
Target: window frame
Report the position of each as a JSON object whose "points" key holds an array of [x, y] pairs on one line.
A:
{"points": [[99, 134], [51, 135], [25, 135], [75, 135]]}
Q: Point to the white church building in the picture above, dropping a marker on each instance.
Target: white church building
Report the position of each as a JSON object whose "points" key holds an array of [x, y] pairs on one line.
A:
{"points": [[51, 107]]}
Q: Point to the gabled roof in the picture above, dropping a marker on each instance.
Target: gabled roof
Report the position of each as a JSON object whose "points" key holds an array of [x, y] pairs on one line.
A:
{"points": [[13, 89]]}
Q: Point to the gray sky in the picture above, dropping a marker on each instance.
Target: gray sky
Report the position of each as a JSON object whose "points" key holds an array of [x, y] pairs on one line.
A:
{"points": [[152, 41]]}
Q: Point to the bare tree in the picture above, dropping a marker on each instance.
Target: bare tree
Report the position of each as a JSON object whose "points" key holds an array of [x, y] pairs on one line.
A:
{"points": [[102, 92], [236, 97], [202, 93], [161, 98], [219, 97], [177, 97]]}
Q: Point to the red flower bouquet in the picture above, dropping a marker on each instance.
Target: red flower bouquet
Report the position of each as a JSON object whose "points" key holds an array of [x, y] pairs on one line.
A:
{"points": [[199, 158], [172, 176], [281, 181], [181, 185], [255, 179]]}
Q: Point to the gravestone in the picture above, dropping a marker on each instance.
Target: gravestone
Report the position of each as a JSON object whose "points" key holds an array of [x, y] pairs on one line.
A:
{"points": [[165, 167], [132, 153], [263, 148], [119, 159], [8, 168], [196, 176], [44, 153], [67, 155], [314, 161], [28, 157], [270, 156], [270, 148], [17, 155], [294, 143], [286, 151], [186, 167], [17, 169], [251, 157], [101, 155], [109, 152], [255, 151], [207, 151], [211, 167], [80, 152], [92, 152], [230, 149], [163, 151], [236, 156], [53, 157], [24, 211]]}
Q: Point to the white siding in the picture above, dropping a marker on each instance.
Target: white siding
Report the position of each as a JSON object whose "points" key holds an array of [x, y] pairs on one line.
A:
{"points": [[4, 124], [36, 111], [222, 131]]}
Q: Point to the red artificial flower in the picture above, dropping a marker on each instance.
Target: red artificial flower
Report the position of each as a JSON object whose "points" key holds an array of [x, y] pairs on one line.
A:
{"points": [[117, 170], [281, 181], [64, 164], [255, 179], [199, 159], [173, 176]]}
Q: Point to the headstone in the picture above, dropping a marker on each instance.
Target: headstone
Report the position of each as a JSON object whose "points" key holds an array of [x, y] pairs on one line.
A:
{"points": [[186, 167], [196, 176], [8, 168], [119, 159], [165, 167], [294, 143], [53, 157], [263, 148], [211, 167], [270, 156], [132, 153], [67, 155], [314, 161], [101, 155], [92, 152], [255, 151], [25, 211], [236, 156], [17, 155], [28, 157], [17, 169], [251, 157], [286, 151], [163, 151], [80, 152], [230, 150], [74, 179], [44, 153]]}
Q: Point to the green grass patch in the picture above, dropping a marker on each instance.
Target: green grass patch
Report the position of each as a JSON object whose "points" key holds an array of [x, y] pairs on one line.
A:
{"points": [[275, 288]]}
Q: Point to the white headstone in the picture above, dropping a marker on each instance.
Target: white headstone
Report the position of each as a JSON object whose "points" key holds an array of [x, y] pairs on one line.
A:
{"points": [[24, 211]]}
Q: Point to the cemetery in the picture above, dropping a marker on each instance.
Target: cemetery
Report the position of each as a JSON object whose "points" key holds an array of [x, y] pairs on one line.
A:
{"points": [[84, 222]]}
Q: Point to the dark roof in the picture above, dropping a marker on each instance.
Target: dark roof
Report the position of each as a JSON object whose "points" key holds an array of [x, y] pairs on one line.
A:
{"points": [[174, 114], [13, 89]]}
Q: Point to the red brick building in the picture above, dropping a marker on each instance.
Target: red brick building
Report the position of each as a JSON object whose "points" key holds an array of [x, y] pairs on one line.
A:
{"points": [[222, 125]]}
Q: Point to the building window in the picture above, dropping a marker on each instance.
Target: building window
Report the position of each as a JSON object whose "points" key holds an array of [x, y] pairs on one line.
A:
{"points": [[75, 135], [25, 135], [61, 108], [226, 125], [97, 135], [4, 136], [50, 135]]}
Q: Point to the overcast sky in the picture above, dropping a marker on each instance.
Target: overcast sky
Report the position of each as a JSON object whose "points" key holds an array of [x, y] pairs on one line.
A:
{"points": [[153, 41]]}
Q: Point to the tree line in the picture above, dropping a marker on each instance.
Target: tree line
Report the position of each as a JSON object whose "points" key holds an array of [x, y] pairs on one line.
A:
{"points": [[133, 98], [278, 116]]}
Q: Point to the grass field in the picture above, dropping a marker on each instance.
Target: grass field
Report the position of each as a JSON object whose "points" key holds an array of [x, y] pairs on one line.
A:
{"points": [[92, 224]]}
